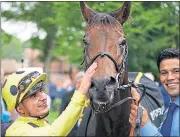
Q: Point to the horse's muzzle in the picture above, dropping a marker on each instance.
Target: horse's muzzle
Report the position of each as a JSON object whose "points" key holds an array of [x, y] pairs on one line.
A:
{"points": [[102, 93]]}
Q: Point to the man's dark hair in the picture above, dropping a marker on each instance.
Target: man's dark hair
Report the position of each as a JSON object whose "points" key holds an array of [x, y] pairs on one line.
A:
{"points": [[169, 53]]}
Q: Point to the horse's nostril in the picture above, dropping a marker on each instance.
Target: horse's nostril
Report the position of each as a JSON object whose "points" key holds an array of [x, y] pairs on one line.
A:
{"points": [[102, 83], [92, 85], [112, 81]]}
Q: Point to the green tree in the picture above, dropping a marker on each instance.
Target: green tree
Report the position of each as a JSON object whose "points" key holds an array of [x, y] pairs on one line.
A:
{"points": [[11, 47], [151, 27], [154, 27]]}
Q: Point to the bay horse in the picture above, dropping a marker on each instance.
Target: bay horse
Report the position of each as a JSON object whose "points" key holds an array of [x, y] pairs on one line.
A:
{"points": [[110, 95]]}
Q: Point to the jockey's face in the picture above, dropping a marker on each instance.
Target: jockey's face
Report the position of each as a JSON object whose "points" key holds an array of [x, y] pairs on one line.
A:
{"points": [[36, 104], [169, 76]]}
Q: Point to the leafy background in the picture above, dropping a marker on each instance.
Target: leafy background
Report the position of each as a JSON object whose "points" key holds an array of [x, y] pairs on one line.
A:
{"points": [[151, 27]]}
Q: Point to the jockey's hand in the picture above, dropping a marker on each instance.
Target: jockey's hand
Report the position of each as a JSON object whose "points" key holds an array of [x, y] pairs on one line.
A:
{"points": [[134, 111], [86, 81]]}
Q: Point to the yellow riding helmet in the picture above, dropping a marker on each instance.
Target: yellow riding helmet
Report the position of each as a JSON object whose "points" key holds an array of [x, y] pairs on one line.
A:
{"points": [[19, 84]]}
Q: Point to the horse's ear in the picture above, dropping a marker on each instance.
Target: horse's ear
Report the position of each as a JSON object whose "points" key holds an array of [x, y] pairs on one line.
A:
{"points": [[87, 12], [122, 14]]}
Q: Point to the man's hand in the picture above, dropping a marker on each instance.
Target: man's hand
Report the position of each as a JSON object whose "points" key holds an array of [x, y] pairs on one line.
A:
{"points": [[135, 94], [134, 111], [86, 81]]}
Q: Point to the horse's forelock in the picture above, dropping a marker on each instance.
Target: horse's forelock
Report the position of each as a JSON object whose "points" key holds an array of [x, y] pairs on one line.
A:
{"points": [[102, 18], [104, 21]]}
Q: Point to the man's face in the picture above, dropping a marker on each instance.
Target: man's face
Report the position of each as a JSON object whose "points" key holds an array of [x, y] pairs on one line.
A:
{"points": [[36, 104], [169, 76]]}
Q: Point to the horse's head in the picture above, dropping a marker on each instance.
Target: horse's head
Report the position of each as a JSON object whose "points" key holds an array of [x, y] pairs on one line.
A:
{"points": [[106, 44]]}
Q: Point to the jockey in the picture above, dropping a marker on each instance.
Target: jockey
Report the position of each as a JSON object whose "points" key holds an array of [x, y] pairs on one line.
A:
{"points": [[23, 91]]}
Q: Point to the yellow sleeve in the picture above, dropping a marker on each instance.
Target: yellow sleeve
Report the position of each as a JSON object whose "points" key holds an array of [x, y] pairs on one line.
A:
{"points": [[60, 127], [66, 121]]}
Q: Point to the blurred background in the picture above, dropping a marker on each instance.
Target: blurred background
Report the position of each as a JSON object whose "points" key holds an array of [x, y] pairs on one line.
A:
{"points": [[49, 35]]}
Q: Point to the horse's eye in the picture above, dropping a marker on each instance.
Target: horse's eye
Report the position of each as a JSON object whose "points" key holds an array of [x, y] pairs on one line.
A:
{"points": [[123, 42], [85, 42]]}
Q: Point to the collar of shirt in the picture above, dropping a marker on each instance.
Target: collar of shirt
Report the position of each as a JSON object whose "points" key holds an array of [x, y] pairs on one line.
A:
{"points": [[39, 122], [176, 101]]}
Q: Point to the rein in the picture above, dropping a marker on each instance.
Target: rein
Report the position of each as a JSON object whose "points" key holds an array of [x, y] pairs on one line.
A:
{"points": [[129, 98]]}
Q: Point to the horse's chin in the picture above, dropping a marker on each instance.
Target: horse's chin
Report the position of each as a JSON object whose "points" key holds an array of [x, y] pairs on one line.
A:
{"points": [[101, 93], [106, 98], [101, 101]]}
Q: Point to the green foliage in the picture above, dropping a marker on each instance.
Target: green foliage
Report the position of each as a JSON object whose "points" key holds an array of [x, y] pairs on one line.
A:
{"points": [[53, 114], [12, 48], [152, 26]]}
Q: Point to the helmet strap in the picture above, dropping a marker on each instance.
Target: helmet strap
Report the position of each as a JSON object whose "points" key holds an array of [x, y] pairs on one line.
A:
{"points": [[44, 116]]}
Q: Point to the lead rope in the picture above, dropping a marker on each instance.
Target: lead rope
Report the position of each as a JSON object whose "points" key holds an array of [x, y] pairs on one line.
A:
{"points": [[140, 112], [136, 130]]}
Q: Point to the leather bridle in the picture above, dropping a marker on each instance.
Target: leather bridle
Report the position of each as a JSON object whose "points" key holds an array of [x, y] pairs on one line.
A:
{"points": [[120, 68]]}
